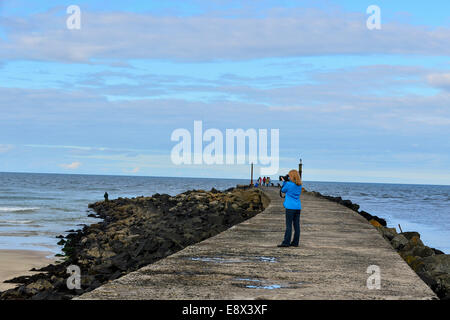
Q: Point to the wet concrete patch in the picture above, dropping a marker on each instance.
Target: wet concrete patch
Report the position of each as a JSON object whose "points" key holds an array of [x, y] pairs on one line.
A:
{"points": [[268, 259], [253, 283], [269, 287], [217, 259], [234, 259]]}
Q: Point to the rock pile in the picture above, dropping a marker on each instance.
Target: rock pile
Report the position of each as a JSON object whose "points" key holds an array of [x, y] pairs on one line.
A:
{"points": [[431, 265], [136, 232], [351, 205]]}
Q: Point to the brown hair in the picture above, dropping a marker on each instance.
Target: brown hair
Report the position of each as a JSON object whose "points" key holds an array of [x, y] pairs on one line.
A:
{"points": [[294, 176]]}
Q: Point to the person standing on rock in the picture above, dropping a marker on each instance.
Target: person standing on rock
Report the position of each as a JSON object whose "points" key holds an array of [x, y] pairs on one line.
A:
{"points": [[293, 206], [264, 181], [106, 196]]}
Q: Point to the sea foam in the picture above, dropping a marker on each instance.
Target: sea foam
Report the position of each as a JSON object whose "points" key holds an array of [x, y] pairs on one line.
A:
{"points": [[18, 209]]}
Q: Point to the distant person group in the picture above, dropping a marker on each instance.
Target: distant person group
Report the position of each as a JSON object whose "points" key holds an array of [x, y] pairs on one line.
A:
{"points": [[265, 181]]}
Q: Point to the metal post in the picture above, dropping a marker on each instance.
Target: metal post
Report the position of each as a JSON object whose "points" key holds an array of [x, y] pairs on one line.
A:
{"points": [[300, 167], [251, 179]]}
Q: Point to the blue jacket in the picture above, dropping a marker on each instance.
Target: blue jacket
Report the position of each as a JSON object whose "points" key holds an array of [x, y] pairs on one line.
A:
{"points": [[293, 192]]}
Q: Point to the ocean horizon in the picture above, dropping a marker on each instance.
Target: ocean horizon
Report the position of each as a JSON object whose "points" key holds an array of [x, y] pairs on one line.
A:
{"points": [[189, 177], [37, 207]]}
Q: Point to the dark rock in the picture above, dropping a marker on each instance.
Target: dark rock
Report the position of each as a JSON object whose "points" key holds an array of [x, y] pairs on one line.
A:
{"points": [[430, 281], [437, 270], [422, 251], [416, 251], [49, 268], [350, 205], [388, 233], [369, 217], [437, 264], [39, 285], [436, 251], [115, 275], [366, 215], [410, 235], [399, 241], [136, 232], [380, 220]]}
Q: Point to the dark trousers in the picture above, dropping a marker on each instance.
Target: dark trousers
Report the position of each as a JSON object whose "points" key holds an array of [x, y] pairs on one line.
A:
{"points": [[292, 219]]}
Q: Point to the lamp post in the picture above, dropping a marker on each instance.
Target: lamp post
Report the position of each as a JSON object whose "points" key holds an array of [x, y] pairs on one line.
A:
{"points": [[251, 179], [300, 166]]}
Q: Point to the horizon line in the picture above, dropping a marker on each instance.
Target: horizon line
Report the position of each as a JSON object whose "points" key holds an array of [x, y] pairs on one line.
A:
{"points": [[189, 177]]}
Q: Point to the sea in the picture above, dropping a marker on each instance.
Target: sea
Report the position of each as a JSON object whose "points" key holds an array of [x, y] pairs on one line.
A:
{"points": [[35, 208]]}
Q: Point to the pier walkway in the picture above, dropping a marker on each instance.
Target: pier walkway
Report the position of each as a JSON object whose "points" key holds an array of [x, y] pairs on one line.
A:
{"points": [[336, 248]]}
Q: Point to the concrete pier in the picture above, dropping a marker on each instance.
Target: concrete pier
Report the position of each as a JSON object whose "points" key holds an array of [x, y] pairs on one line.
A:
{"points": [[336, 248]]}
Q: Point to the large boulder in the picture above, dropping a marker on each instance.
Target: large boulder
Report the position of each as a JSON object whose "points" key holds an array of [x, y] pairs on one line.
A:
{"points": [[437, 251], [416, 251], [350, 204], [375, 223], [415, 241], [387, 233], [399, 241], [435, 270], [415, 262], [437, 264], [422, 251], [37, 286], [411, 234], [370, 217]]}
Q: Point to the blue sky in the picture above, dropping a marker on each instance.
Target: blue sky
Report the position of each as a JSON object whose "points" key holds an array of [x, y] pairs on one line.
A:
{"points": [[355, 104]]}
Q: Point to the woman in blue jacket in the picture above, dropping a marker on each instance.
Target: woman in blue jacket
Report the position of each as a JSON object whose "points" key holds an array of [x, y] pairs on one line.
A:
{"points": [[292, 189]]}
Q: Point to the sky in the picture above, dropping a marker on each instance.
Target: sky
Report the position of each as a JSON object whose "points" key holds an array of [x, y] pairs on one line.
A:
{"points": [[355, 104]]}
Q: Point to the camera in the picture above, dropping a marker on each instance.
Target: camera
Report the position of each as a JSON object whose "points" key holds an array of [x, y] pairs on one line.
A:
{"points": [[281, 178]]}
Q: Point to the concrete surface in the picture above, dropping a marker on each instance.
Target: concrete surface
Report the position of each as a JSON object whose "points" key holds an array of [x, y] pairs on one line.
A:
{"points": [[336, 248]]}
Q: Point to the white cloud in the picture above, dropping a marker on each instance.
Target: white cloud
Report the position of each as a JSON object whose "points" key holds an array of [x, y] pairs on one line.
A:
{"points": [[285, 33], [290, 108], [430, 120], [71, 166], [440, 80], [5, 148]]}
